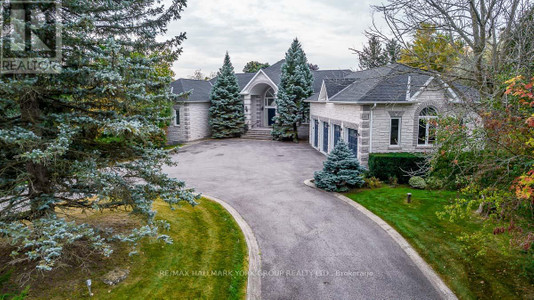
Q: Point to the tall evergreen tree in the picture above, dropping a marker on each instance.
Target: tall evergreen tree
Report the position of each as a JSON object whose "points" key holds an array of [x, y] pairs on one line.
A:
{"points": [[296, 85], [82, 138], [226, 115], [393, 51], [372, 55], [341, 171]]}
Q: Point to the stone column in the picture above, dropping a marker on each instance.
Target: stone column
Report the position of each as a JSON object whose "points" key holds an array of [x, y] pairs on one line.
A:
{"points": [[247, 101]]}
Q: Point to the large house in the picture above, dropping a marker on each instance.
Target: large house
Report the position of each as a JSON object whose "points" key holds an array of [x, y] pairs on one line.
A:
{"points": [[387, 109]]}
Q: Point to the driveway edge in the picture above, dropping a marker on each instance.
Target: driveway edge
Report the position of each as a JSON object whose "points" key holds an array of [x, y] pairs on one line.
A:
{"points": [[254, 259], [426, 269]]}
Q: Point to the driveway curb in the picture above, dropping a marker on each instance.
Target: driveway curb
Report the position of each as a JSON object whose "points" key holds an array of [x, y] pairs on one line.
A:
{"points": [[425, 268], [254, 259]]}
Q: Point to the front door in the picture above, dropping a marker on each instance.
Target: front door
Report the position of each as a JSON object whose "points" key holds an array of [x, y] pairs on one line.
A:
{"points": [[325, 137], [269, 107], [271, 112]]}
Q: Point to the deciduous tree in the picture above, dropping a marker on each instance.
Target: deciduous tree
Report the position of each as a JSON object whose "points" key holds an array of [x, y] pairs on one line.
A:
{"points": [[431, 50], [254, 66]]}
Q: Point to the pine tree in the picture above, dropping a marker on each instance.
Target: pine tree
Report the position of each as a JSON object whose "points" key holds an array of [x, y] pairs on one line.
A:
{"points": [[341, 171], [393, 51], [226, 114], [82, 138], [372, 55], [296, 85]]}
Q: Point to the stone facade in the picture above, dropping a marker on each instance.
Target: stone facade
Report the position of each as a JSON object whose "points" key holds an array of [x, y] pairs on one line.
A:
{"points": [[194, 123], [373, 122]]}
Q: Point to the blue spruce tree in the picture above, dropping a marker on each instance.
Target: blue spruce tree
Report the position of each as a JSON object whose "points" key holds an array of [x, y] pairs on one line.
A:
{"points": [[82, 139], [341, 171], [296, 85], [226, 115]]}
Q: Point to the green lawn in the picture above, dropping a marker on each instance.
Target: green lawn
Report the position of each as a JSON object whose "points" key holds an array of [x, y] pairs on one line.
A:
{"points": [[493, 276], [206, 238]]}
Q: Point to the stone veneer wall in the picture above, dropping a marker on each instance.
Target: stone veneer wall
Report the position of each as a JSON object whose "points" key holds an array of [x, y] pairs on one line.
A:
{"points": [[359, 117], [194, 125], [409, 115]]}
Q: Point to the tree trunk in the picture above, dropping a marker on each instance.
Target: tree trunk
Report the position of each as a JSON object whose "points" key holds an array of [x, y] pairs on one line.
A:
{"points": [[38, 174]]}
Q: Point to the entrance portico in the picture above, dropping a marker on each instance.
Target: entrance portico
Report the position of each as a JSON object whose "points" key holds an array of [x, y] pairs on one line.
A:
{"points": [[259, 101]]}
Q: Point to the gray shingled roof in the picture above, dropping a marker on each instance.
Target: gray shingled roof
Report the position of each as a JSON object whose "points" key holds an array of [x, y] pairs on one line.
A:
{"points": [[242, 79], [275, 71], [384, 84], [334, 86], [199, 90]]}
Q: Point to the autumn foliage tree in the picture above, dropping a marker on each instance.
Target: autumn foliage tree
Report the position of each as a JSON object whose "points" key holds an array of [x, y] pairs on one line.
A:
{"points": [[431, 50], [492, 163]]}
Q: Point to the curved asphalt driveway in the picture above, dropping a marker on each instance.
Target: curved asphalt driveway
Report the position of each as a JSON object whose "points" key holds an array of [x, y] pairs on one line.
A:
{"points": [[299, 229]]}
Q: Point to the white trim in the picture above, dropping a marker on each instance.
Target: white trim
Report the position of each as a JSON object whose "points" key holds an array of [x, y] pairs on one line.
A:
{"points": [[399, 131], [427, 127], [274, 86], [453, 94], [422, 88], [323, 95]]}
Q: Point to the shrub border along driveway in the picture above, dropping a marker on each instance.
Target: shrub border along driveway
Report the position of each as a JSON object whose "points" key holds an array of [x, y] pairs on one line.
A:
{"points": [[429, 273], [254, 259]]}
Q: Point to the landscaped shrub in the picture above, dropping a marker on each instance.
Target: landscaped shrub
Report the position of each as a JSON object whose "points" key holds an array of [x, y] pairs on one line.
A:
{"points": [[341, 171], [388, 165], [434, 183], [373, 182], [417, 182]]}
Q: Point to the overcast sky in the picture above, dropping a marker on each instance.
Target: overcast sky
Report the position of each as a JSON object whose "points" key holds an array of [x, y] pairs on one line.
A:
{"points": [[263, 31]]}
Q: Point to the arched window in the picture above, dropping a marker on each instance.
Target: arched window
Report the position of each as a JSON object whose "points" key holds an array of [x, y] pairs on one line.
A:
{"points": [[427, 126], [269, 98]]}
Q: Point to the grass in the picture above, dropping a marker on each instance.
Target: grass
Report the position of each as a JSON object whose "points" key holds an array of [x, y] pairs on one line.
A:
{"points": [[206, 238], [495, 275]]}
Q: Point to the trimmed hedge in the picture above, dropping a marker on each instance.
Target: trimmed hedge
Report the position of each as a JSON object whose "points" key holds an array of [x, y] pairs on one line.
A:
{"points": [[387, 165]]}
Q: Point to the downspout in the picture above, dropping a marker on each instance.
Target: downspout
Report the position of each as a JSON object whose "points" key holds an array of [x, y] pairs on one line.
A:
{"points": [[371, 130]]}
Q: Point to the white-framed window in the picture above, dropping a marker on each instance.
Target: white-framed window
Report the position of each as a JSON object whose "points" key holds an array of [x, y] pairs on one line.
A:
{"points": [[395, 132], [176, 117], [270, 98], [427, 126]]}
